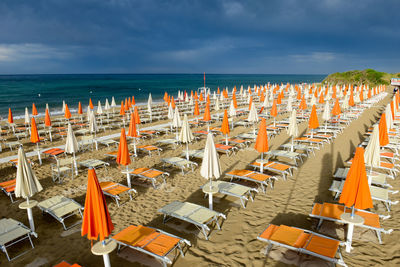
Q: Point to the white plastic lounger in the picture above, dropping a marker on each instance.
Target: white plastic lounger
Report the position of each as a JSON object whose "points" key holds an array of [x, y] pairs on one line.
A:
{"points": [[377, 193], [303, 241], [294, 156], [180, 163], [196, 153], [61, 208], [11, 233], [115, 190], [172, 142], [301, 147], [150, 174], [376, 177], [256, 177], [154, 242], [332, 212], [195, 214], [244, 193]]}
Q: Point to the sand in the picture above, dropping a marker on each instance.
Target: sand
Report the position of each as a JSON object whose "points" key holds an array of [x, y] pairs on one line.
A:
{"points": [[235, 244]]}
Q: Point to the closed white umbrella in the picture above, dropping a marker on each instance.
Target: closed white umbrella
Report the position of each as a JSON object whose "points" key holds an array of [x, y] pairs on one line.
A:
{"points": [[26, 185], [170, 112], [210, 167], [191, 101], [289, 105], [313, 101], [232, 111], [47, 107], [113, 104], [326, 115], [214, 95], [216, 107], [345, 104], [107, 105], [99, 108], [221, 97], [266, 101], [186, 135], [389, 118], [293, 129], [27, 119], [176, 121], [63, 108], [72, 145], [372, 151], [149, 103], [88, 113], [93, 124], [253, 117]]}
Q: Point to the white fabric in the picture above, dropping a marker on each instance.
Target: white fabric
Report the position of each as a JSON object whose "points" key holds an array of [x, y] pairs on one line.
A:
{"points": [[113, 104], [107, 105], [92, 123], [232, 110], [216, 107], [26, 183], [186, 135], [389, 118], [27, 119], [170, 112], [372, 151], [210, 167], [326, 115], [176, 121], [253, 117], [99, 108], [293, 129], [71, 146]]}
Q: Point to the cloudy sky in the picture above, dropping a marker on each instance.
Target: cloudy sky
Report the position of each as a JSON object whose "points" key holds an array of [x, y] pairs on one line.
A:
{"points": [[216, 36]]}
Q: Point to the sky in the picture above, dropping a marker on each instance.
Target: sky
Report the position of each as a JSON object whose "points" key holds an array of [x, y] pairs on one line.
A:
{"points": [[216, 36]]}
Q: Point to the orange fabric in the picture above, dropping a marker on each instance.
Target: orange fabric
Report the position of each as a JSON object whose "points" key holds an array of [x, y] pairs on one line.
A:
{"points": [[165, 97], [113, 188], [351, 99], [63, 264], [126, 107], [152, 173], [34, 110], [234, 100], [383, 132], [336, 108], [286, 235], [160, 244], [47, 120], [10, 116], [54, 151], [8, 186], [133, 234], [356, 189], [259, 176], [34, 132], [122, 110], [80, 111], [321, 98], [133, 102], [274, 109], [225, 124], [137, 117], [196, 109], [132, 127], [201, 99], [262, 138], [67, 113], [303, 104], [90, 103], [223, 147], [123, 152], [250, 102], [139, 170], [313, 121], [269, 231], [207, 115], [96, 221], [323, 246], [240, 172]]}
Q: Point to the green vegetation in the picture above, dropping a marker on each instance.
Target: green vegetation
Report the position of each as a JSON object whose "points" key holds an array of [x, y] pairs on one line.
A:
{"points": [[368, 76]]}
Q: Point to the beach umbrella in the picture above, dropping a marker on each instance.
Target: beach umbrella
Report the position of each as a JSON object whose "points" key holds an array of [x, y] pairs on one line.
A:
{"points": [[93, 124], [262, 142], [96, 222], [274, 110], [303, 105], [35, 138], [186, 136], [47, 122], [313, 121], [253, 117], [107, 105], [266, 101], [34, 110], [355, 193], [27, 118], [133, 102], [345, 104], [216, 107], [122, 110], [80, 112], [289, 106], [207, 114], [232, 109], [234, 101], [99, 108], [383, 131], [336, 108], [90, 103], [113, 104], [196, 109], [389, 117], [123, 157], [176, 121], [132, 132], [72, 146], [293, 129], [225, 126], [67, 113], [170, 113], [326, 115], [63, 107], [372, 151], [26, 185], [210, 167], [149, 103], [88, 113], [10, 116]]}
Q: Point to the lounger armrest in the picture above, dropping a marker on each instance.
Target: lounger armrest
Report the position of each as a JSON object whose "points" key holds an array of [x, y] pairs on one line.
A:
{"points": [[222, 215]]}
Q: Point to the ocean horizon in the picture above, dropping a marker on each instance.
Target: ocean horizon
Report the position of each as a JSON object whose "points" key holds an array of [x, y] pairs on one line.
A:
{"points": [[21, 90]]}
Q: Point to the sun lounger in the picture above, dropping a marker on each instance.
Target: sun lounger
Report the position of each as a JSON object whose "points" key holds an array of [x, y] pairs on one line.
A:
{"points": [[149, 149], [303, 241], [195, 214], [8, 188], [180, 163], [377, 193], [276, 167], [13, 232], [172, 142], [194, 153], [256, 177], [227, 149], [14, 162], [294, 156], [312, 141], [86, 143], [108, 142], [115, 190], [240, 142], [385, 166], [333, 212], [376, 177], [244, 193], [150, 174], [305, 148], [61, 208], [94, 163], [248, 136], [12, 144], [54, 152], [151, 241], [62, 169], [114, 154]]}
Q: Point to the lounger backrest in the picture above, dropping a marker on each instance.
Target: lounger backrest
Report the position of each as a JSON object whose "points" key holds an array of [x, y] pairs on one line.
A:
{"points": [[64, 162]]}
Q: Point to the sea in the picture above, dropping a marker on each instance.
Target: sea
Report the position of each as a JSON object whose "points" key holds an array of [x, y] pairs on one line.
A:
{"points": [[20, 91]]}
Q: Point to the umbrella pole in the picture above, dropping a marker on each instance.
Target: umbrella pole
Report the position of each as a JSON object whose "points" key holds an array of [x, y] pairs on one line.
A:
{"points": [[261, 162], [128, 177], [30, 216], [226, 139], [38, 151], [75, 165], [134, 146], [291, 148], [51, 138], [187, 151]]}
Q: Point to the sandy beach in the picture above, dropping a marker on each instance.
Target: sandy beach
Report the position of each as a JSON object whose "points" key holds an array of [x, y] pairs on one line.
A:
{"points": [[236, 244]]}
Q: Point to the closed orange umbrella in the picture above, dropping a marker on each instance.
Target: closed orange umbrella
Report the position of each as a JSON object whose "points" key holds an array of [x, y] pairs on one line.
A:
{"points": [[80, 111], [303, 104], [336, 108], [218, 91], [122, 110], [133, 102], [280, 96], [361, 95], [126, 107], [35, 137], [321, 98], [383, 132], [201, 99], [274, 109], [313, 121], [196, 97], [132, 132], [351, 99], [96, 222], [262, 141], [10, 116], [47, 120], [173, 102], [207, 115], [90, 103], [196, 109], [123, 152], [165, 97], [234, 100], [129, 102], [250, 102], [225, 126], [137, 117], [34, 110], [67, 113]]}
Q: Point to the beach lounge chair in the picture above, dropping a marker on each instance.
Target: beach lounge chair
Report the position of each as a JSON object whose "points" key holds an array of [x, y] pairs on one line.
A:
{"points": [[385, 166], [180, 163], [294, 156], [8, 188], [108, 143], [172, 142], [94, 163], [248, 136], [12, 144], [150, 174], [149, 149], [114, 154], [239, 142], [332, 212], [256, 177], [195, 214], [311, 141], [244, 193], [86, 143], [194, 153], [11, 233], [227, 149], [275, 167], [14, 162], [115, 190], [63, 168], [301, 147], [377, 193], [61, 208], [54, 152], [153, 242], [376, 177], [303, 241]]}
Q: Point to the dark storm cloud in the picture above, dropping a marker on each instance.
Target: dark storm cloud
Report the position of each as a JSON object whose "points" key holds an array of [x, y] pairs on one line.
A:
{"points": [[286, 36]]}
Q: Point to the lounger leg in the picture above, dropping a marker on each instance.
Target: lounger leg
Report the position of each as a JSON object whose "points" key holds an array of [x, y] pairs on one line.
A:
{"points": [[378, 233], [320, 223], [204, 233]]}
